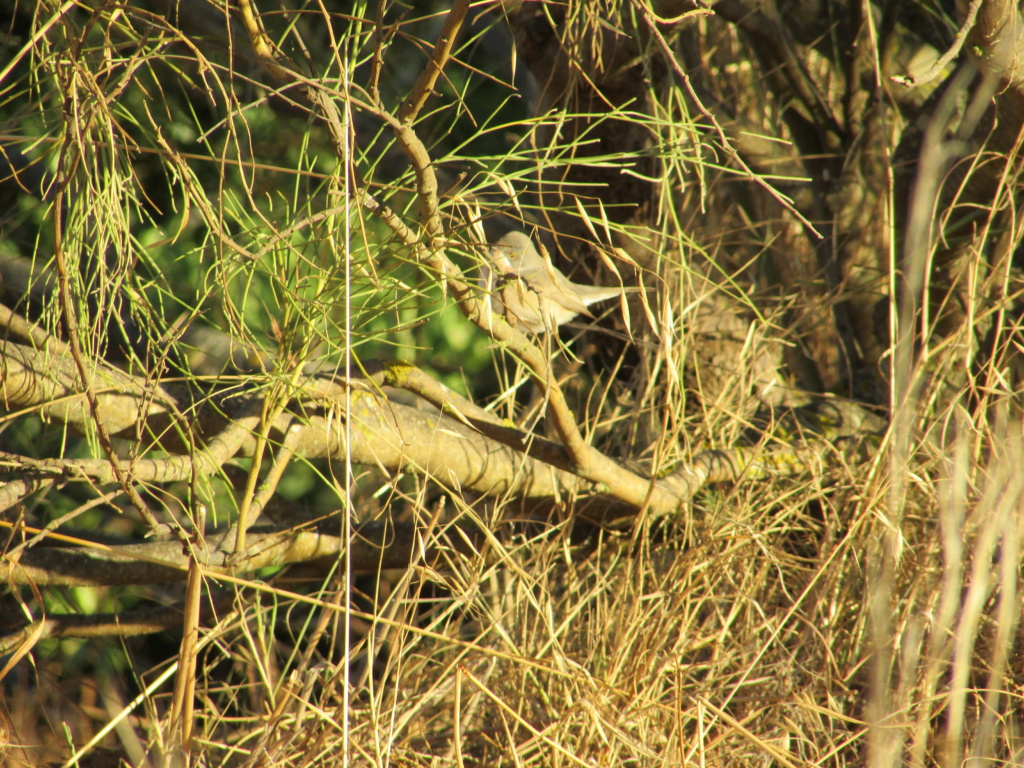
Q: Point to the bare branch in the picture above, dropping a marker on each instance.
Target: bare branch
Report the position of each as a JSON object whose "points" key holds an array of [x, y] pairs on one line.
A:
{"points": [[375, 546]]}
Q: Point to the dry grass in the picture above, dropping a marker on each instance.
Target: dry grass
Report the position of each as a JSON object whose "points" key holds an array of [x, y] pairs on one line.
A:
{"points": [[859, 614], [869, 616]]}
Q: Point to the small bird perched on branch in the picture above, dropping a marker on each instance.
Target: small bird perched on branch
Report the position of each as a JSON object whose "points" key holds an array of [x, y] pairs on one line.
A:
{"points": [[532, 290]]}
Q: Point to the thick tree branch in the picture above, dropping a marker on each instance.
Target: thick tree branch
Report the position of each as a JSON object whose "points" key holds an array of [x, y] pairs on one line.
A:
{"points": [[394, 437], [375, 545]]}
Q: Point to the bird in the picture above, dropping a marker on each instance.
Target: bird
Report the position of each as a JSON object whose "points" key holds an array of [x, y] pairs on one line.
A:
{"points": [[530, 290]]}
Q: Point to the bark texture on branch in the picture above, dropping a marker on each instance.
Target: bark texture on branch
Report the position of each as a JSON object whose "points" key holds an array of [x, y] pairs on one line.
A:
{"points": [[388, 435], [375, 546]]}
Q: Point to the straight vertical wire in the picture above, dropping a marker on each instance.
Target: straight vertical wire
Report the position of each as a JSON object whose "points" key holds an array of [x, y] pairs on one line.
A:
{"points": [[347, 620]]}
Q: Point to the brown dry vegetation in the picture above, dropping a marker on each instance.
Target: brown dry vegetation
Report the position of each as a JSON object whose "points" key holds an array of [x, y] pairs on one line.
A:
{"points": [[279, 490]]}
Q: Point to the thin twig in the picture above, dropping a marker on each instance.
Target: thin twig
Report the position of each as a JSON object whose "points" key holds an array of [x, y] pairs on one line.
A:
{"points": [[936, 69]]}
